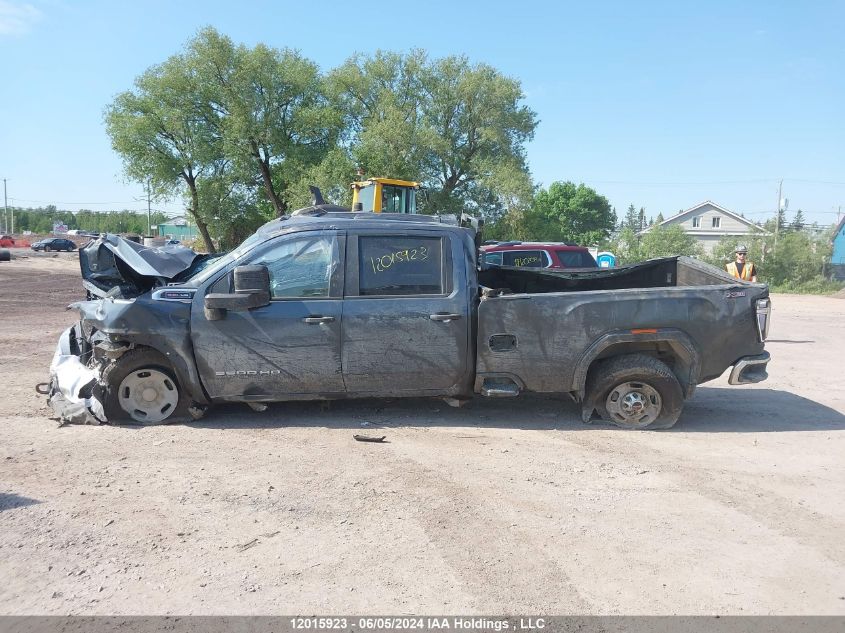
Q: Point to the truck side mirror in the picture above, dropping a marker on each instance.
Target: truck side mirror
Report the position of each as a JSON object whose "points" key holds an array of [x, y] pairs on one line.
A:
{"points": [[252, 290]]}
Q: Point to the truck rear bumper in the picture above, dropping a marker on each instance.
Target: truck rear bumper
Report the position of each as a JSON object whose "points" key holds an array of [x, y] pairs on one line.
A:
{"points": [[749, 369]]}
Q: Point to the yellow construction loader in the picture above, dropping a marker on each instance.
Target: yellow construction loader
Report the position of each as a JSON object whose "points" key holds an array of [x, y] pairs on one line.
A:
{"points": [[387, 195]]}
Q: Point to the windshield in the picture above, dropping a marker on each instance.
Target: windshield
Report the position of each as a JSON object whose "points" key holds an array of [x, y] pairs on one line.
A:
{"points": [[212, 265], [576, 259]]}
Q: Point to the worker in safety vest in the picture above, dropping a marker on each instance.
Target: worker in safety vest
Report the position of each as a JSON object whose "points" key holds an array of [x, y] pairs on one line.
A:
{"points": [[742, 269]]}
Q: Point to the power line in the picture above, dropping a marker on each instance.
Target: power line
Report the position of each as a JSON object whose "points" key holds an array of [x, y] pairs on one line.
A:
{"points": [[710, 182], [816, 182], [769, 211], [64, 202], [680, 184]]}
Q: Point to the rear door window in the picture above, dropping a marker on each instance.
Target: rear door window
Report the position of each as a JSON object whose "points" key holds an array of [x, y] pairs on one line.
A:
{"points": [[397, 265], [525, 259]]}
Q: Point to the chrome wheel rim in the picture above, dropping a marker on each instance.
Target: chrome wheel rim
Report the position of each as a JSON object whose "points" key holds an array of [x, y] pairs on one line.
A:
{"points": [[634, 404], [148, 395]]}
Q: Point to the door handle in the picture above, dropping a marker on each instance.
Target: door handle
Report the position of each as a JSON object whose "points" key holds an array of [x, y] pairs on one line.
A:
{"points": [[444, 316], [318, 319]]}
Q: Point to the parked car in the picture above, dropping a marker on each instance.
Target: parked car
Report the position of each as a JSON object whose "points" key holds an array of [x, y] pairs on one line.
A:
{"points": [[7, 241], [332, 305], [538, 255], [54, 244]]}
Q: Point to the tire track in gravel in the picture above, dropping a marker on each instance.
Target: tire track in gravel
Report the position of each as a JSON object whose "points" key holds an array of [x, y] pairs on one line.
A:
{"points": [[763, 505], [498, 562]]}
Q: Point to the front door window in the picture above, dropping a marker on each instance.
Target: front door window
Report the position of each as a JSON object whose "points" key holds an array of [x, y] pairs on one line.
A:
{"points": [[301, 267]]}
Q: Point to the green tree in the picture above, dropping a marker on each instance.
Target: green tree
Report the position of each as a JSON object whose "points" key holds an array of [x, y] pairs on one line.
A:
{"points": [[331, 175], [668, 241], [631, 219], [570, 213], [723, 252], [232, 209], [476, 132], [626, 246], [658, 241], [799, 258], [379, 96], [271, 111], [40, 220], [798, 221], [781, 219], [165, 133], [460, 129], [798, 262]]}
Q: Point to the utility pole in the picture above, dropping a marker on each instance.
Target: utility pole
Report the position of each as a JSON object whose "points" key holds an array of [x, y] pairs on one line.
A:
{"points": [[149, 225], [6, 213], [777, 217]]}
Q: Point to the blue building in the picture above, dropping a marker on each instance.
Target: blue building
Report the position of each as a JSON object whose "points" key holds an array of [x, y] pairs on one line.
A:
{"points": [[837, 260]]}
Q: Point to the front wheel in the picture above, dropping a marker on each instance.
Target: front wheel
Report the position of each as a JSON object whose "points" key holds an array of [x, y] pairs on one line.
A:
{"points": [[140, 387], [635, 392]]}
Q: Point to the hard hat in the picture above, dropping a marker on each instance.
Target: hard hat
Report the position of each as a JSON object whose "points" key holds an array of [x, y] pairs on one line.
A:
{"points": [[742, 248]]}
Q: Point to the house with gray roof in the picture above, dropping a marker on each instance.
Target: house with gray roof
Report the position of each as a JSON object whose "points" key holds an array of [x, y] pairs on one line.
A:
{"points": [[709, 222]]}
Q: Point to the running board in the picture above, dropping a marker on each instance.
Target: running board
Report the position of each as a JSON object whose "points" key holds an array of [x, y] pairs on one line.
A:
{"points": [[499, 388]]}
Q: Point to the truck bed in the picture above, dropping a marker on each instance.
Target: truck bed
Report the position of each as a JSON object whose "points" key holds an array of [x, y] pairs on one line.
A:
{"points": [[539, 329], [665, 272]]}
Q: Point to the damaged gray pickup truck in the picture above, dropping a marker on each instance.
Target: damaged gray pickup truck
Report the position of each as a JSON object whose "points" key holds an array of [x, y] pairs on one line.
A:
{"points": [[330, 304]]}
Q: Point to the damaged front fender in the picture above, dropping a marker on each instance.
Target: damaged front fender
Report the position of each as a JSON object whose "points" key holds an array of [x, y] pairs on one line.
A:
{"points": [[74, 393]]}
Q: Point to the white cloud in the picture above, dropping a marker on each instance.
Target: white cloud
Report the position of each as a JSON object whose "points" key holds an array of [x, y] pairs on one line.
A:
{"points": [[17, 18]]}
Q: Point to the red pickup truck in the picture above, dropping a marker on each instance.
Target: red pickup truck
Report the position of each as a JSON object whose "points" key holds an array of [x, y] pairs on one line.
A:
{"points": [[7, 241], [538, 255]]}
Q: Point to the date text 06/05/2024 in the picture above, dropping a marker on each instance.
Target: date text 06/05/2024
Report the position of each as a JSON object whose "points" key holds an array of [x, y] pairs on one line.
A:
{"points": [[405, 623]]}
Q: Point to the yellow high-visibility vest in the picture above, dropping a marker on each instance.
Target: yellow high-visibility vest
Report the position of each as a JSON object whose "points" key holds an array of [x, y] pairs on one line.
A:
{"points": [[746, 270]]}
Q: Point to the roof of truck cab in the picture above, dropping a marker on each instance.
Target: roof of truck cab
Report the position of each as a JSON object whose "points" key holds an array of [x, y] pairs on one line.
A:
{"points": [[330, 216], [521, 246]]}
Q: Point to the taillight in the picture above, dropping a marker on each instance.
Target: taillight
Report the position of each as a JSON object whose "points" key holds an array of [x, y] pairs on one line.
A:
{"points": [[764, 312]]}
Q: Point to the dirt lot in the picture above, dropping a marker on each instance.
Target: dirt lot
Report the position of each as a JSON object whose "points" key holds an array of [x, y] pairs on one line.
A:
{"points": [[506, 506]]}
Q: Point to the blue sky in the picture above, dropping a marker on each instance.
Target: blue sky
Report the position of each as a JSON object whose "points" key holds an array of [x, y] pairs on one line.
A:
{"points": [[659, 104]]}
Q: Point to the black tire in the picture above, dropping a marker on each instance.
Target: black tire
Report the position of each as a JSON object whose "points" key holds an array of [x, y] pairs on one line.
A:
{"points": [[139, 361], [635, 391]]}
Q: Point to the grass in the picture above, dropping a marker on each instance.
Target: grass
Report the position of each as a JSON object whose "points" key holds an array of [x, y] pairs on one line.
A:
{"points": [[818, 286]]}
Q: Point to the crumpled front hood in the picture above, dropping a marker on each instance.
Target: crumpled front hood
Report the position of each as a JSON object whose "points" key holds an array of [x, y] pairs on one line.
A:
{"points": [[111, 261]]}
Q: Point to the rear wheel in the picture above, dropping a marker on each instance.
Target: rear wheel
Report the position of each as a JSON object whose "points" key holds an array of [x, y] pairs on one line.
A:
{"points": [[636, 392], [141, 388]]}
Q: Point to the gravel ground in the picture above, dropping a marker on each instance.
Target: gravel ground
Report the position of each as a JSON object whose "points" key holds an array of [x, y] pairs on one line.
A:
{"points": [[504, 506]]}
